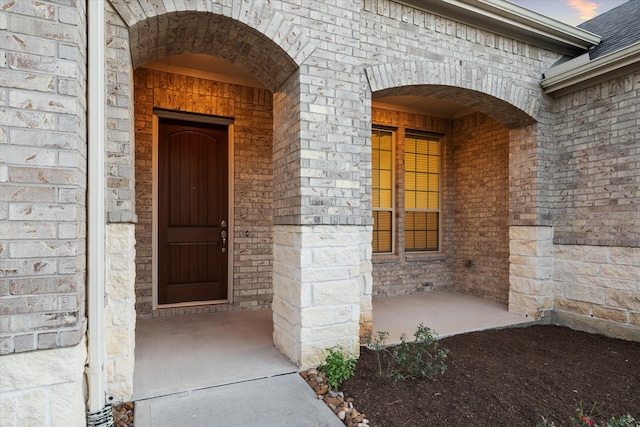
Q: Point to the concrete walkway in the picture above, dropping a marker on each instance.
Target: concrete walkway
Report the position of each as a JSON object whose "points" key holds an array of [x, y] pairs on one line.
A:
{"points": [[282, 401]]}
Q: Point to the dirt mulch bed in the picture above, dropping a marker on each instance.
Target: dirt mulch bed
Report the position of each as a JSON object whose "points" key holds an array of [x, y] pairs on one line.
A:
{"points": [[510, 377]]}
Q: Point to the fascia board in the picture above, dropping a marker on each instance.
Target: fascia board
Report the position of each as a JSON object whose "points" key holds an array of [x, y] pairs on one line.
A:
{"points": [[593, 69], [513, 21], [568, 65]]}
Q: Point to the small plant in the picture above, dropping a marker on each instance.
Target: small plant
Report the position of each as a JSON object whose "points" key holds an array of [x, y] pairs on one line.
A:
{"points": [[546, 423], [587, 420], [337, 367], [377, 344], [421, 358]]}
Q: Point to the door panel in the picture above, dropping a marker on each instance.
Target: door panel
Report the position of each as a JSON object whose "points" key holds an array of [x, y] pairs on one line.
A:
{"points": [[192, 207]]}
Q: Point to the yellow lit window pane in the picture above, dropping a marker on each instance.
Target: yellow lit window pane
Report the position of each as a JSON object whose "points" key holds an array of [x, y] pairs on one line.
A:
{"points": [[421, 200], [386, 141], [421, 231], [432, 239], [410, 181], [432, 221], [410, 200], [434, 164], [375, 198], [410, 145], [385, 159], [382, 231], [421, 163], [421, 181], [375, 178], [420, 239], [409, 240], [385, 198], [434, 147], [433, 201], [384, 241], [386, 179], [410, 162], [375, 159], [434, 182]]}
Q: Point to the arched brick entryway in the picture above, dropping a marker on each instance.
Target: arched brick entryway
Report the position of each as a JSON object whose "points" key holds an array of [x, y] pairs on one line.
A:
{"points": [[516, 107]]}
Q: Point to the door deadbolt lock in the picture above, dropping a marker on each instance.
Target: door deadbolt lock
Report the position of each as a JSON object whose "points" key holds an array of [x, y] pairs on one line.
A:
{"points": [[223, 234], [223, 224]]}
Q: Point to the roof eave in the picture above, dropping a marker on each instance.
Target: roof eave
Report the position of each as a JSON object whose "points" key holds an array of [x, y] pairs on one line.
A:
{"points": [[607, 66], [511, 20]]}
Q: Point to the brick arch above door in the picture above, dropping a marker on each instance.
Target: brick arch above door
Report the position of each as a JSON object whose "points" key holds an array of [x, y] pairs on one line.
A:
{"points": [[253, 37]]}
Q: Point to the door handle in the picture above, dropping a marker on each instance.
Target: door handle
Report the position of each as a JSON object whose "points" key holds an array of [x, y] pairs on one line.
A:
{"points": [[223, 234]]}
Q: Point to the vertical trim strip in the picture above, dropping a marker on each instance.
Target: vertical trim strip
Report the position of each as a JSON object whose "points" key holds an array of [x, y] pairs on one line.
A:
{"points": [[231, 210], [96, 206], [154, 212]]}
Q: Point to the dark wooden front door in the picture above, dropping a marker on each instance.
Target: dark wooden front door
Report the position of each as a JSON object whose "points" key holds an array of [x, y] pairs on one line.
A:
{"points": [[192, 212]]}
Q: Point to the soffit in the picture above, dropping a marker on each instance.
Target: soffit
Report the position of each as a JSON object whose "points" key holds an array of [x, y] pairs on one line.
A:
{"points": [[205, 67], [422, 105]]}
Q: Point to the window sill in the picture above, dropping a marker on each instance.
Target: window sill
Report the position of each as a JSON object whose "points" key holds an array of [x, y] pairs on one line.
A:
{"points": [[424, 256], [384, 258], [408, 257]]}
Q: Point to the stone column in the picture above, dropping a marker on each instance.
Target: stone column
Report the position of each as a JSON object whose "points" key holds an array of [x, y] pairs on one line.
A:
{"points": [[530, 230], [530, 270], [321, 263], [366, 282], [120, 313], [316, 299]]}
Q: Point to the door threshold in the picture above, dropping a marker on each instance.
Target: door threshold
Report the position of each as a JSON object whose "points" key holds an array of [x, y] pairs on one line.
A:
{"points": [[193, 303]]}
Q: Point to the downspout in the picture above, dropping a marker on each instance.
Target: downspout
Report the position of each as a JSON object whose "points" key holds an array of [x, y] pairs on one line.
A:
{"points": [[98, 412]]}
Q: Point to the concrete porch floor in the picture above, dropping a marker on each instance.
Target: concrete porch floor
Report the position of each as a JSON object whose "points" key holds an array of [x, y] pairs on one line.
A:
{"points": [[445, 313], [184, 353]]}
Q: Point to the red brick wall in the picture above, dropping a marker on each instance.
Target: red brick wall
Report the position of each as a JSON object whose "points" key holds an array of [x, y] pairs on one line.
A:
{"points": [[480, 235]]}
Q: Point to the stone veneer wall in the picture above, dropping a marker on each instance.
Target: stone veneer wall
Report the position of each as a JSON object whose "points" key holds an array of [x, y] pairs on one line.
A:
{"points": [[251, 109], [597, 288], [480, 187], [43, 388], [530, 270], [120, 313], [317, 291], [404, 273]]}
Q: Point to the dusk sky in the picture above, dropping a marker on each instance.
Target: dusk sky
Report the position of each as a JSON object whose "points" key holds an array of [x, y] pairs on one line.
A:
{"points": [[571, 12]]}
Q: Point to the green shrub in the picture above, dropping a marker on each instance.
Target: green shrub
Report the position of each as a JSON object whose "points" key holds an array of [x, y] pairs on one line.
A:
{"points": [[337, 367], [377, 344], [420, 358]]}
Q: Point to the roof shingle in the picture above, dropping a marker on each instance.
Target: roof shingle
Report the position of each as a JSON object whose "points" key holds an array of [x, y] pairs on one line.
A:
{"points": [[618, 27]]}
